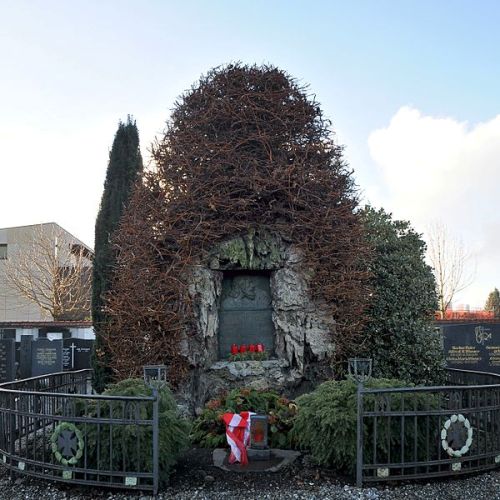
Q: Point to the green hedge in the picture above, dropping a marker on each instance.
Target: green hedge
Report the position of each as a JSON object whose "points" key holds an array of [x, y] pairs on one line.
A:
{"points": [[131, 444], [326, 423]]}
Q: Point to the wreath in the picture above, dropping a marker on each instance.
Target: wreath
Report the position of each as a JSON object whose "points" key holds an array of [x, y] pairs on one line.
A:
{"points": [[458, 426], [58, 432]]}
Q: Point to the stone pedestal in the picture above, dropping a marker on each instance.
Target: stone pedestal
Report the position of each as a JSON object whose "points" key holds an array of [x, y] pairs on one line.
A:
{"points": [[258, 454]]}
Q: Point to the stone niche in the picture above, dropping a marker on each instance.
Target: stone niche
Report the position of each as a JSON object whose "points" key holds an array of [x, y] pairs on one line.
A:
{"points": [[254, 288]]}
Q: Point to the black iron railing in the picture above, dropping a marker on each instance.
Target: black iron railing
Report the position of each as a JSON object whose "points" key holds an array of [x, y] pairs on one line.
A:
{"points": [[52, 427], [422, 432]]}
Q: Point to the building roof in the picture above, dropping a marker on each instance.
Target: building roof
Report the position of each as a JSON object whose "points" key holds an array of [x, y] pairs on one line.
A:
{"points": [[79, 242], [45, 324]]}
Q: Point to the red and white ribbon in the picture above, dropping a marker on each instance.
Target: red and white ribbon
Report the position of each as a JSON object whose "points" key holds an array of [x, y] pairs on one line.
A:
{"points": [[238, 435]]}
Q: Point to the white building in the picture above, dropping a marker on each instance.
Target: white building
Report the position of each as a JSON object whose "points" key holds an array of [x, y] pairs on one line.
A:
{"points": [[35, 250]]}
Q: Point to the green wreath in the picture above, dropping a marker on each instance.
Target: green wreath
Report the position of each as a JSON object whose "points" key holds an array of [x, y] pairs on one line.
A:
{"points": [[67, 426]]}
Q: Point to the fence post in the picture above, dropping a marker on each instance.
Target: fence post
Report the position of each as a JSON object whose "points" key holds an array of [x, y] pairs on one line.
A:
{"points": [[359, 437], [12, 433], [156, 433]]}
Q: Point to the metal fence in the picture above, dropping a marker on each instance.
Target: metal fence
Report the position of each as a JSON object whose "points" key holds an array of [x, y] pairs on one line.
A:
{"points": [[51, 427], [423, 432]]}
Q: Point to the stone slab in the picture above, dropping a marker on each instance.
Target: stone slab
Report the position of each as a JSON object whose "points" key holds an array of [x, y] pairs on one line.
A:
{"points": [[472, 346], [7, 360], [25, 356], [279, 459], [76, 353], [46, 357]]}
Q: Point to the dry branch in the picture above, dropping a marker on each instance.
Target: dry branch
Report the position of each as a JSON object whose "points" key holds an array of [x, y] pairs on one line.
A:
{"points": [[245, 148]]}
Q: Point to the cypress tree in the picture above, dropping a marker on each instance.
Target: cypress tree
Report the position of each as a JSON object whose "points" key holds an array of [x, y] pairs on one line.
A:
{"points": [[124, 167]]}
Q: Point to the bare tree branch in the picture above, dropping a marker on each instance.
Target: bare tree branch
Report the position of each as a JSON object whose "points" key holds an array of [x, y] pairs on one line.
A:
{"points": [[49, 269], [451, 263]]}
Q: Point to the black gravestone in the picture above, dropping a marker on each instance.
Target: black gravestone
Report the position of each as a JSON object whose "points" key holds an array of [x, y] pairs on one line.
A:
{"points": [[7, 360], [25, 356], [7, 333], [472, 346], [76, 354], [46, 357], [245, 312]]}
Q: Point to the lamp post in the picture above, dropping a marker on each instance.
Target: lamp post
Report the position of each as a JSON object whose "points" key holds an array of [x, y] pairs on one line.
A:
{"points": [[360, 370], [155, 375]]}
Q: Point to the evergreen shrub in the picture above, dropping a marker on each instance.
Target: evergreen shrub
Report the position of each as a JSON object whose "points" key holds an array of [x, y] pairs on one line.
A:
{"points": [[131, 445], [325, 424], [209, 430]]}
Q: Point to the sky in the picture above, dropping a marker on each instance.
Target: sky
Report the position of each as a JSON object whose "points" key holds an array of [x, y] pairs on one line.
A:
{"points": [[412, 89]]}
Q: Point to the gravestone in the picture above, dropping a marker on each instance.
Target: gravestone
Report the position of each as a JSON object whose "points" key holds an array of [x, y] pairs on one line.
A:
{"points": [[46, 357], [472, 346], [25, 356], [7, 360], [245, 312], [76, 354], [7, 333]]}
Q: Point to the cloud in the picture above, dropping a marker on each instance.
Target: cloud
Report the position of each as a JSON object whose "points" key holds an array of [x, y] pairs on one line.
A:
{"points": [[436, 168]]}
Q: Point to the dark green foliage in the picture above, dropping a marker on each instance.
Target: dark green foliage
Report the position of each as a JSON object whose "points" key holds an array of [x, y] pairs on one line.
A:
{"points": [[252, 356], [131, 444], [209, 430], [493, 302], [125, 165], [326, 423], [399, 334]]}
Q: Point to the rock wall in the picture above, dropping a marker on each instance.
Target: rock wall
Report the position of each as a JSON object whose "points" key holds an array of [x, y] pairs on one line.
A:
{"points": [[303, 332]]}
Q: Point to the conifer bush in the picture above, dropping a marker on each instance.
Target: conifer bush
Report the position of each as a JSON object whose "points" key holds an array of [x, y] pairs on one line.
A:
{"points": [[325, 423], [130, 445]]}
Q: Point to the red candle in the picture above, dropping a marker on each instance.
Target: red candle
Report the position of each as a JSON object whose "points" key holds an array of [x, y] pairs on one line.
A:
{"points": [[234, 349], [252, 348], [243, 348], [260, 347]]}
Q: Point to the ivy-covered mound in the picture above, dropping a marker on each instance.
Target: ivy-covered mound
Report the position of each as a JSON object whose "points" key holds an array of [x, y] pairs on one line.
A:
{"points": [[209, 430], [246, 149], [325, 424], [131, 444]]}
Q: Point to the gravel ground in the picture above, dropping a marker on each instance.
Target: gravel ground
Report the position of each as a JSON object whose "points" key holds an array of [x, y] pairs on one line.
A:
{"points": [[195, 478]]}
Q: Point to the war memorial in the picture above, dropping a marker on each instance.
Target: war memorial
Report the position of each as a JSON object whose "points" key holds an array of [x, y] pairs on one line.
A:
{"points": [[257, 311]]}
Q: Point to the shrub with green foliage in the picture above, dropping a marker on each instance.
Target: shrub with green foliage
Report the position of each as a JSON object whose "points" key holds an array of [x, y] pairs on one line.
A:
{"points": [[326, 423], [399, 327], [131, 444], [209, 430]]}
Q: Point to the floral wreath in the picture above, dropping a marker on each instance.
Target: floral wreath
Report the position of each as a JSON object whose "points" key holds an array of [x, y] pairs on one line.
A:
{"points": [[444, 434], [67, 426]]}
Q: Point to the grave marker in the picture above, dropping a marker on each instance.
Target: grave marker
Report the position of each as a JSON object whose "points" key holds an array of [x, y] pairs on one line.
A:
{"points": [[7, 360], [25, 356], [46, 357], [472, 346], [76, 354]]}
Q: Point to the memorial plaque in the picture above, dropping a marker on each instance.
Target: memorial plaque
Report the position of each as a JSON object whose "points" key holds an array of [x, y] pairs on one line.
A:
{"points": [[472, 346], [76, 354], [7, 360], [245, 313], [46, 357]]}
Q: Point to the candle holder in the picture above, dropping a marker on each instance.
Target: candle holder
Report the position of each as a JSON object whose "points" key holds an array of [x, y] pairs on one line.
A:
{"points": [[259, 447]]}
